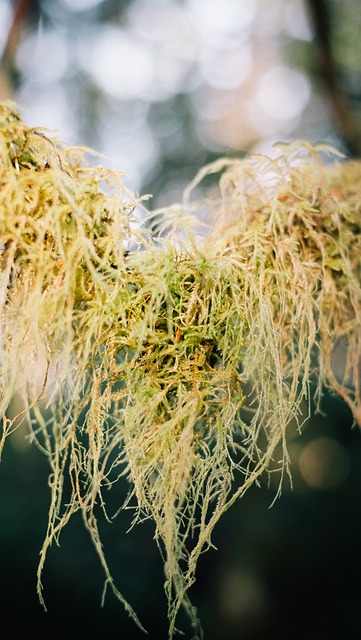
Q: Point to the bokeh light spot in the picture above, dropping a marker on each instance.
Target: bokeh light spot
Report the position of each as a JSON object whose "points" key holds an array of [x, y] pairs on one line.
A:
{"points": [[227, 68], [283, 92], [43, 45], [220, 19], [296, 20], [324, 463], [5, 17], [118, 63]]}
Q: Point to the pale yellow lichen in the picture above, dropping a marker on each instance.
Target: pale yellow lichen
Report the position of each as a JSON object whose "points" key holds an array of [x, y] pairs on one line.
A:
{"points": [[182, 362]]}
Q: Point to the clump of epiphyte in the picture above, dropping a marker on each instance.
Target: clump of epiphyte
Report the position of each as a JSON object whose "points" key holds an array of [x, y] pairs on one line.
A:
{"points": [[181, 362]]}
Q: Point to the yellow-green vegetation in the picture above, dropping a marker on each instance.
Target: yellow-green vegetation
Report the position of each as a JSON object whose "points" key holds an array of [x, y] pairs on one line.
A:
{"points": [[178, 358]]}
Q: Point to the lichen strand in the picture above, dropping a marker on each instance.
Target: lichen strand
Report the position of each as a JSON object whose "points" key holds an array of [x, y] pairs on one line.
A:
{"points": [[183, 362]]}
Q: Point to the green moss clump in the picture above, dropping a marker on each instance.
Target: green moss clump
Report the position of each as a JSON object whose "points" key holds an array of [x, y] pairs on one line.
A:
{"points": [[182, 362]]}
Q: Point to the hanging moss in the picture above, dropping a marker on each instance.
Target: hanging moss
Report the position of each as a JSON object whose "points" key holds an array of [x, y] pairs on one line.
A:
{"points": [[181, 359]]}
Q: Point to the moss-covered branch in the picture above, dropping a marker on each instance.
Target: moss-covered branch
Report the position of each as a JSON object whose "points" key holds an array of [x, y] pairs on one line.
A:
{"points": [[182, 362]]}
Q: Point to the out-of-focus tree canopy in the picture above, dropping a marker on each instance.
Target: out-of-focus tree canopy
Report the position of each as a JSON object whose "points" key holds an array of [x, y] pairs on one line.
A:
{"points": [[163, 87]]}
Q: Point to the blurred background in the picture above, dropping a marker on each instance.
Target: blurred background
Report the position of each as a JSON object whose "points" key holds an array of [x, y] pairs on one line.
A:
{"points": [[160, 87]]}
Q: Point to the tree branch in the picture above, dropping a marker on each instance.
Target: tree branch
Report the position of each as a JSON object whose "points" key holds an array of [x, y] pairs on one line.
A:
{"points": [[348, 127]]}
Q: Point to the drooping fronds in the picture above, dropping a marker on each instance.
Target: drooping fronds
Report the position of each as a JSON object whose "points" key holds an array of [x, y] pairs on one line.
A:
{"points": [[182, 362]]}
